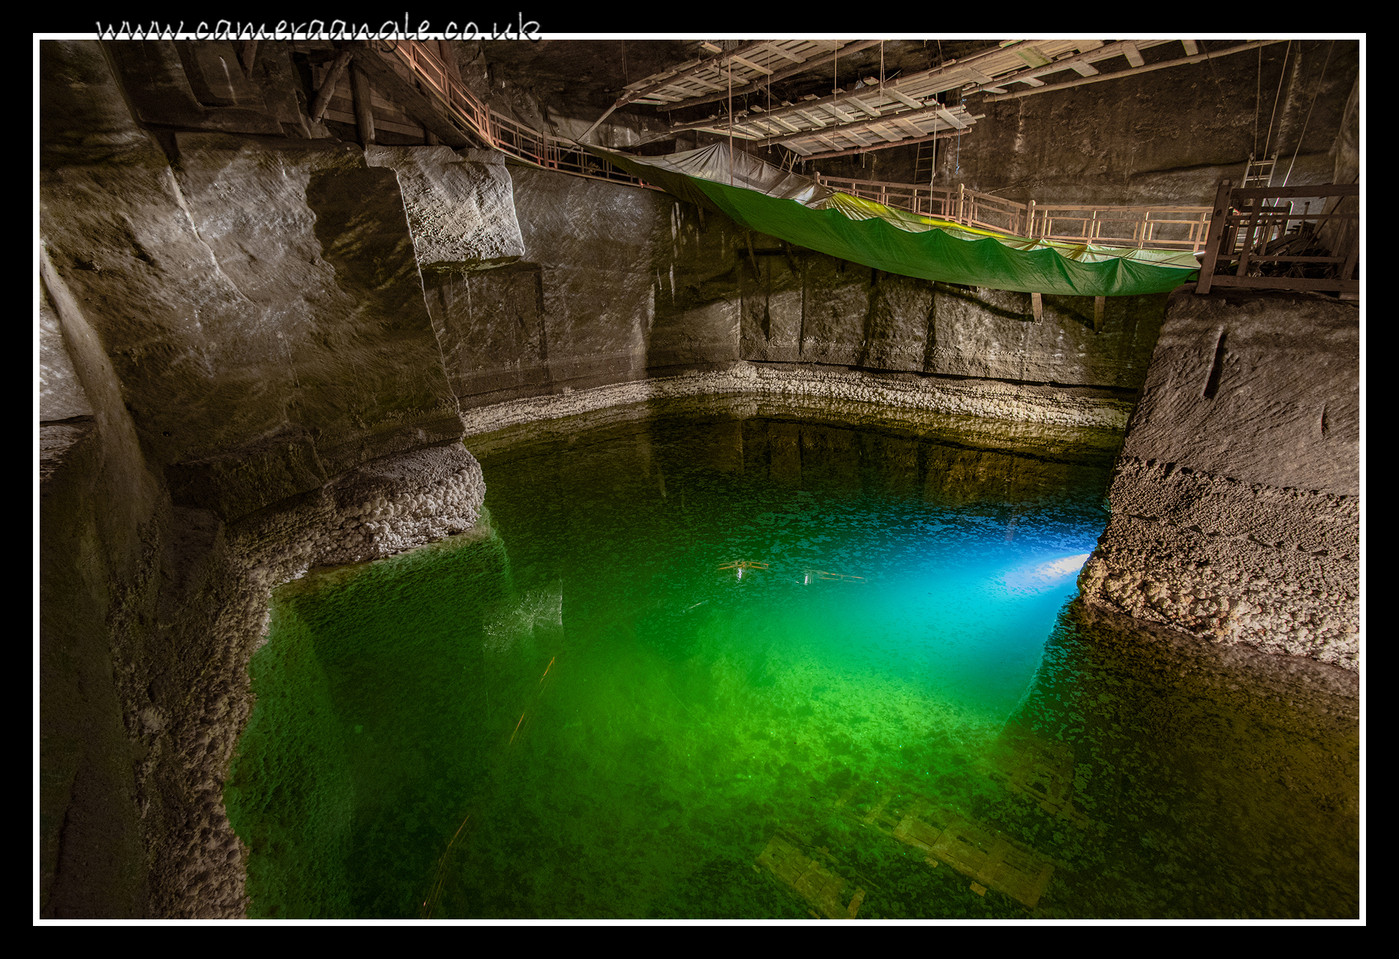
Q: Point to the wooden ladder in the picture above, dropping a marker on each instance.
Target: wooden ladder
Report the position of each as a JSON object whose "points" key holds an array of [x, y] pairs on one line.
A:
{"points": [[926, 164], [1258, 173]]}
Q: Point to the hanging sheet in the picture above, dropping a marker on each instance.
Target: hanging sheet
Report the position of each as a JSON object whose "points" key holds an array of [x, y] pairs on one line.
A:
{"points": [[801, 211]]}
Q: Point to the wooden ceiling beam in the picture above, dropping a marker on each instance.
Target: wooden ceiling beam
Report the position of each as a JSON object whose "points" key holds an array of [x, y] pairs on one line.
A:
{"points": [[792, 71], [1134, 72], [810, 155], [935, 110]]}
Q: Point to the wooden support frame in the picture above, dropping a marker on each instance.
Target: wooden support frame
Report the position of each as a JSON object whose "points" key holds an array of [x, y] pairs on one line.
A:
{"points": [[1133, 69], [416, 104], [1245, 222], [327, 90], [364, 112], [1218, 219]]}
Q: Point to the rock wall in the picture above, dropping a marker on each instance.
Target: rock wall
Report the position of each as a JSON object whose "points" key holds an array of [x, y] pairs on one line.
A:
{"points": [[804, 307], [149, 613], [1236, 500], [618, 285], [1162, 137], [239, 380]]}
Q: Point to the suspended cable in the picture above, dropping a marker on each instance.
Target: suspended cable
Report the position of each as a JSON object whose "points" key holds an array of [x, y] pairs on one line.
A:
{"points": [[769, 109], [934, 174], [1277, 96], [1309, 112], [729, 64], [963, 103], [1214, 76], [1258, 98]]}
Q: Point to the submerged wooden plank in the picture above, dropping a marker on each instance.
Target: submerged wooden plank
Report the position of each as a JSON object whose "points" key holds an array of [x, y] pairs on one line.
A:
{"points": [[917, 833], [983, 854], [993, 860], [1038, 768], [814, 882]]}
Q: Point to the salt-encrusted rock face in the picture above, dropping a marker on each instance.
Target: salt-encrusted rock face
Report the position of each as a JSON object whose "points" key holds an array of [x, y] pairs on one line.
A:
{"points": [[460, 206], [1235, 504], [261, 305], [852, 394], [389, 506], [397, 504], [1240, 563]]}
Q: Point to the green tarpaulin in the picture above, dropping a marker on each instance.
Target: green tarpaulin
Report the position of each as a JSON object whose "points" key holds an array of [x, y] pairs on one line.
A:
{"points": [[803, 212]]}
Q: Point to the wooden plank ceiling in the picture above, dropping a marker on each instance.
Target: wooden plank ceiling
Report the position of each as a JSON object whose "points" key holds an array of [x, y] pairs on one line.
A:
{"points": [[873, 115], [740, 71]]}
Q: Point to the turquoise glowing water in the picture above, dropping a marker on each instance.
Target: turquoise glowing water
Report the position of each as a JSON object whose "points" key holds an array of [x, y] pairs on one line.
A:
{"points": [[753, 669]]}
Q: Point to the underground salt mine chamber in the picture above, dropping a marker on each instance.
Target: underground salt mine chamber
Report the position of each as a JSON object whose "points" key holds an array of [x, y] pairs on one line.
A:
{"points": [[443, 524]]}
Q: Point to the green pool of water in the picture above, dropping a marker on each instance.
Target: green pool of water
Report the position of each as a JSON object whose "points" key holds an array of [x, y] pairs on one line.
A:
{"points": [[749, 667]]}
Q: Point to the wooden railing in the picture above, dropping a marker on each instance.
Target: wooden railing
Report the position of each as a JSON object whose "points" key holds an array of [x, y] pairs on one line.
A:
{"points": [[1138, 227], [495, 130], [903, 196], [1260, 230], [1259, 239], [444, 86]]}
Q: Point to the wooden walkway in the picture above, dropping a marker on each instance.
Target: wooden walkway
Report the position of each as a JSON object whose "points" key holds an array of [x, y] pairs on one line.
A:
{"points": [[738, 71], [905, 110], [1136, 227], [1142, 227]]}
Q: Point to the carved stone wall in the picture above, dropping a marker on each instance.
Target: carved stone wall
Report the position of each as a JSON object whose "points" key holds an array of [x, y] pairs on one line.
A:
{"points": [[1236, 500]]}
